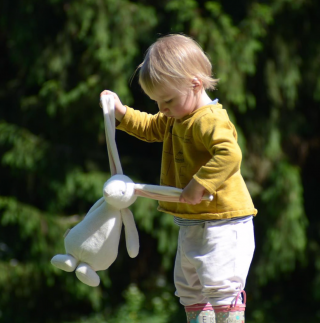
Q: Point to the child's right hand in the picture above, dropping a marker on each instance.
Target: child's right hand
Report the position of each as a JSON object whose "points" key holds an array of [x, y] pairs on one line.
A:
{"points": [[120, 109], [192, 193]]}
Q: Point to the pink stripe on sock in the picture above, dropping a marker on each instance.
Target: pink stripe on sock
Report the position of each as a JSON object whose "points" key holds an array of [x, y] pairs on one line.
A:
{"points": [[199, 307]]}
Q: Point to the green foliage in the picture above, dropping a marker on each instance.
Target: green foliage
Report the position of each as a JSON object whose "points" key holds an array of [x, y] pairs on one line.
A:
{"points": [[78, 185], [26, 149], [136, 309], [149, 220], [56, 58], [161, 308], [286, 239]]}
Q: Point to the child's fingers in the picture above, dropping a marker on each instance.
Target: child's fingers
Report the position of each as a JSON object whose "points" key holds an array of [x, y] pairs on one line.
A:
{"points": [[182, 200], [106, 92], [193, 200]]}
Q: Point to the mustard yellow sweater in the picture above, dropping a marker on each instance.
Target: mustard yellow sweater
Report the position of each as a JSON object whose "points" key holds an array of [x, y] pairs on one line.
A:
{"points": [[203, 146]]}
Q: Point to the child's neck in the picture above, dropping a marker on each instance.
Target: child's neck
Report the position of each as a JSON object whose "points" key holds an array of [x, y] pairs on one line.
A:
{"points": [[204, 99]]}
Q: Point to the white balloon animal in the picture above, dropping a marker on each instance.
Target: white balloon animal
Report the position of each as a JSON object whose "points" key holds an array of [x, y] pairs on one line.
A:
{"points": [[92, 245]]}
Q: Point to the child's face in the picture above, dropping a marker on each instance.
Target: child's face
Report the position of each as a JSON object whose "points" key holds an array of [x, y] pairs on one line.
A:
{"points": [[175, 104]]}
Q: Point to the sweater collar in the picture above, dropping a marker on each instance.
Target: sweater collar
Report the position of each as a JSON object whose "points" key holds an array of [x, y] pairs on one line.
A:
{"points": [[213, 104]]}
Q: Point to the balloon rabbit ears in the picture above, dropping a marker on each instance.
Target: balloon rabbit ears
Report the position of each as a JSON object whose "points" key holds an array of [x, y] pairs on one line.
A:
{"points": [[107, 102]]}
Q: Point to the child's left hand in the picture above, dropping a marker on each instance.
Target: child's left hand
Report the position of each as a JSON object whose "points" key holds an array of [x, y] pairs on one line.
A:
{"points": [[192, 193]]}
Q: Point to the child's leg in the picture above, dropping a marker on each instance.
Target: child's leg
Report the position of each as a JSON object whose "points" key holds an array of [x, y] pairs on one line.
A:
{"points": [[213, 262], [186, 280], [225, 261], [223, 286], [188, 286]]}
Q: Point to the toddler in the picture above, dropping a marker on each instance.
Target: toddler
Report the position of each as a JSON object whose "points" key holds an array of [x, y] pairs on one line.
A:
{"points": [[200, 155]]}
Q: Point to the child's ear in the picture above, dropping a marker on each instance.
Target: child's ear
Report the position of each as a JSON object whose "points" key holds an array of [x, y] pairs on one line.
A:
{"points": [[196, 84]]}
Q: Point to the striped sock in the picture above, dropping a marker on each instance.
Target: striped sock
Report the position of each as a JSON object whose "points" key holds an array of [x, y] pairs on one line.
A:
{"points": [[200, 313], [231, 313]]}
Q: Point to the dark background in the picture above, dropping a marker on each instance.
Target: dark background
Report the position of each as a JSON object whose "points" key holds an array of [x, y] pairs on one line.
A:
{"points": [[57, 56]]}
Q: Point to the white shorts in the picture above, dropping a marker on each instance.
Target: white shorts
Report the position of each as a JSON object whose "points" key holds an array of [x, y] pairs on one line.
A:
{"points": [[213, 261]]}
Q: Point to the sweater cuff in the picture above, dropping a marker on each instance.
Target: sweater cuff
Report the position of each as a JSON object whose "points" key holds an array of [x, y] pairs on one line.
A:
{"points": [[206, 184], [123, 124]]}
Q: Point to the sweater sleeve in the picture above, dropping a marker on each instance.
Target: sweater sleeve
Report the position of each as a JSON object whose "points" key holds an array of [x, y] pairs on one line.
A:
{"points": [[144, 126], [219, 137]]}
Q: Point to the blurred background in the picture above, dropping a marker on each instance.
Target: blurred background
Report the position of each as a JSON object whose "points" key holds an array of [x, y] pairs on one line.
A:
{"points": [[56, 58]]}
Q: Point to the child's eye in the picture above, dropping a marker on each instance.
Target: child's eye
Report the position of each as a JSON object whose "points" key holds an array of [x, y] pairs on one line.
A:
{"points": [[167, 102]]}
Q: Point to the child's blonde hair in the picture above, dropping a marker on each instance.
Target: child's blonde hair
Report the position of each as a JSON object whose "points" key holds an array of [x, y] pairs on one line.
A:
{"points": [[173, 61]]}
